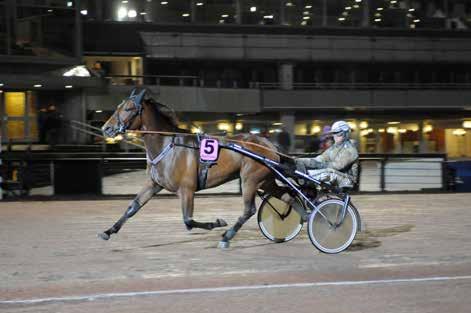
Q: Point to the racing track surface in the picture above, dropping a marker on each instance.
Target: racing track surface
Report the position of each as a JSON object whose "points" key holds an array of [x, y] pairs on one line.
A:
{"points": [[415, 256]]}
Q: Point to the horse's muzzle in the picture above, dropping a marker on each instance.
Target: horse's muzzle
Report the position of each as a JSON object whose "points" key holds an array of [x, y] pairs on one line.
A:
{"points": [[108, 131]]}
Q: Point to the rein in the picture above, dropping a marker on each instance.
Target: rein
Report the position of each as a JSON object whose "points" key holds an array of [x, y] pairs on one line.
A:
{"points": [[164, 133]]}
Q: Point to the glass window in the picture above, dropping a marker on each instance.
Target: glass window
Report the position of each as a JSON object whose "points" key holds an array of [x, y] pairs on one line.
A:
{"points": [[15, 129], [15, 103], [262, 12], [47, 3], [3, 29], [155, 11], [304, 12], [215, 11], [44, 32]]}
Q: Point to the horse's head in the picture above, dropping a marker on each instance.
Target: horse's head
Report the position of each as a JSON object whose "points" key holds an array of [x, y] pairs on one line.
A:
{"points": [[126, 115]]}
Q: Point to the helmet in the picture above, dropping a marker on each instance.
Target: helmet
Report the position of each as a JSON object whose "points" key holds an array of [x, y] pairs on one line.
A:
{"points": [[340, 126]]}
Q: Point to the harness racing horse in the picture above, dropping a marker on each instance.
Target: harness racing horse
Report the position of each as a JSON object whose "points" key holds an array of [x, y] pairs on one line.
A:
{"points": [[173, 163]]}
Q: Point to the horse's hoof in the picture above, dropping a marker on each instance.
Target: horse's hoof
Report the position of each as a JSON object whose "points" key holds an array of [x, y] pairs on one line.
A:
{"points": [[104, 236], [223, 244], [221, 222]]}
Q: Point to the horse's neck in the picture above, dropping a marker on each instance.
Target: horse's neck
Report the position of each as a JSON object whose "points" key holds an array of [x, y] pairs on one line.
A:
{"points": [[155, 144]]}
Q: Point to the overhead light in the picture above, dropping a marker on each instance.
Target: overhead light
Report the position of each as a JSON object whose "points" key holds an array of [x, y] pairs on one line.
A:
{"points": [[1, 91], [377, 14], [124, 1], [467, 124], [84, 12], [122, 12], [37, 86], [268, 16], [409, 15], [427, 128], [98, 111], [253, 9], [143, 13], [308, 6], [306, 12], [402, 130], [69, 4], [186, 14], [412, 25], [358, 1], [132, 13], [224, 15], [393, 123], [221, 21], [377, 20], [459, 132], [199, 3], [341, 18], [356, 6], [306, 17], [348, 8], [345, 13], [1, 85], [393, 1], [164, 2], [239, 126], [416, 21], [289, 4], [303, 23], [379, 9], [277, 124], [411, 10], [363, 124], [50, 10], [68, 86]]}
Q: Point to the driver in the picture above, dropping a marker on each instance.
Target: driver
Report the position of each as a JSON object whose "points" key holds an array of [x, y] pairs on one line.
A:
{"points": [[338, 165]]}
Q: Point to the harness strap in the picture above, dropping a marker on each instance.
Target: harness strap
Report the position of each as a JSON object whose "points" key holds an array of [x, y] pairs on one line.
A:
{"points": [[161, 155]]}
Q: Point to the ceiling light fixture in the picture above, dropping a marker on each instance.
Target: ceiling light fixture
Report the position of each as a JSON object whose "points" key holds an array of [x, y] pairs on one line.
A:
{"points": [[37, 86], [68, 86], [253, 9], [132, 13], [308, 6], [164, 2], [186, 14], [199, 3], [84, 12]]}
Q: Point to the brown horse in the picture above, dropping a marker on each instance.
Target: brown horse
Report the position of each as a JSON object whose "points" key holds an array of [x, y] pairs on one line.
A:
{"points": [[173, 163]]}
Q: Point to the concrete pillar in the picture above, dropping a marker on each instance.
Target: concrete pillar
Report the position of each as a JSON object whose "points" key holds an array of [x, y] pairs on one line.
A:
{"points": [[193, 11], [288, 121], [285, 76], [238, 11], [422, 139], [324, 13], [366, 14], [282, 12]]}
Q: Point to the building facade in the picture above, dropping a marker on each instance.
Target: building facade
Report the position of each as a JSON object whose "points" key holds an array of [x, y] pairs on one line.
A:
{"points": [[398, 70]]}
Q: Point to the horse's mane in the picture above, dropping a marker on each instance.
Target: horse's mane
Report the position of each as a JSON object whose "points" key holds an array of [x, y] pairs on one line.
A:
{"points": [[168, 114]]}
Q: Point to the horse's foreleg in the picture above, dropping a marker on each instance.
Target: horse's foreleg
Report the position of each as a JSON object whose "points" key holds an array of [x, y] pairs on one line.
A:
{"points": [[146, 193], [248, 194], [187, 197]]}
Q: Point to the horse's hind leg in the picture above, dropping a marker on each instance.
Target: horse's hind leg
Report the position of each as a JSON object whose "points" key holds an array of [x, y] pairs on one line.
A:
{"points": [[146, 193], [187, 197], [249, 190]]}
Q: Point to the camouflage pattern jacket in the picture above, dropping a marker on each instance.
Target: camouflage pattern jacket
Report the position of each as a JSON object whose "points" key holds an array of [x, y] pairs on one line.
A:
{"points": [[340, 158]]}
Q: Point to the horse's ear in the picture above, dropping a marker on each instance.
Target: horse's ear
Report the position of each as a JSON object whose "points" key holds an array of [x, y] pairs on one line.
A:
{"points": [[140, 96]]}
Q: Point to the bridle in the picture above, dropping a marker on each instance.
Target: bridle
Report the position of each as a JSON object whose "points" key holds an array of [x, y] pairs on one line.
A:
{"points": [[137, 107]]}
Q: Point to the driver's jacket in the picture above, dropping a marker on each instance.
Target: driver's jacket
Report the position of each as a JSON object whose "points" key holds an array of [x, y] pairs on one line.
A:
{"points": [[337, 165]]}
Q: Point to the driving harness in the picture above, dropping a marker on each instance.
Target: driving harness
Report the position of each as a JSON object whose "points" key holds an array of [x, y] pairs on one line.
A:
{"points": [[203, 166]]}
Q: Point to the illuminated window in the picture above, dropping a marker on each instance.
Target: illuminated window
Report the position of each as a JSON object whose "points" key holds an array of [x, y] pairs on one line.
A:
{"points": [[20, 116]]}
